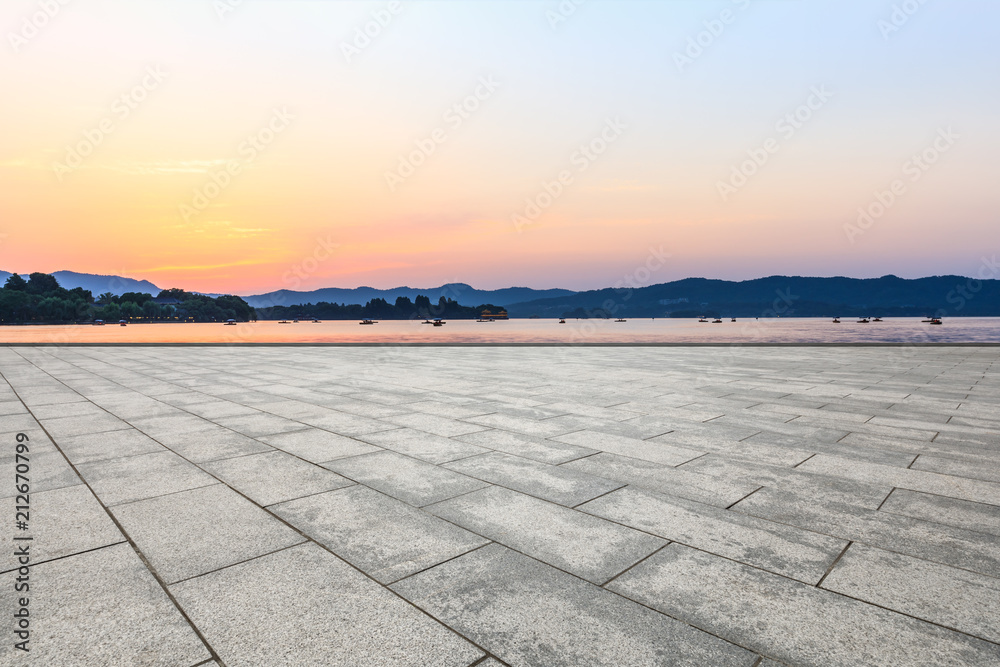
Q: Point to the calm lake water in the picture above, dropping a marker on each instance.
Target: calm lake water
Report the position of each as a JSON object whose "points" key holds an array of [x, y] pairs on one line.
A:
{"points": [[804, 330]]}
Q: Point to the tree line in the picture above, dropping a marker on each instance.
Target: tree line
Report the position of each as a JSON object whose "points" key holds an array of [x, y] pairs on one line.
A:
{"points": [[40, 299], [379, 309]]}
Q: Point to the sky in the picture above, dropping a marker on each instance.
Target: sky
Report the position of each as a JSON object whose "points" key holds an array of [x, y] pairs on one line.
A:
{"points": [[248, 146]]}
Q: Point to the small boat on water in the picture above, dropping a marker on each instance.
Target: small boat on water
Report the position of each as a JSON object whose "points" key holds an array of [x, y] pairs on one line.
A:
{"points": [[703, 319], [936, 320], [439, 322], [836, 320], [284, 322], [367, 322], [864, 320], [230, 323], [122, 323], [316, 322], [562, 321], [98, 323], [295, 321], [717, 320], [733, 320], [876, 319], [620, 320]]}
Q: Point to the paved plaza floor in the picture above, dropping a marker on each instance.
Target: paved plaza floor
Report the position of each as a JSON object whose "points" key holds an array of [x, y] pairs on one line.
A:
{"points": [[543, 506]]}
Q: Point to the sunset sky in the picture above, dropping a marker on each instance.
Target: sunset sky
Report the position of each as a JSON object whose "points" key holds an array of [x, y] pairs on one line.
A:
{"points": [[243, 147]]}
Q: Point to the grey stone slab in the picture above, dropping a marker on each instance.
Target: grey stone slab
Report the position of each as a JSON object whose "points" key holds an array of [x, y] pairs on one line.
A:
{"points": [[941, 509], [663, 479], [536, 449], [193, 532], [895, 456], [62, 522], [527, 613], [47, 467], [792, 552], [522, 425], [346, 424], [584, 545], [213, 444], [556, 484], [984, 468], [275, 477], [132, 478], [415, 482], [62, 427], [381, 536], [317, 445], [112, 445], [258, 424], [421, 445], [916, 480], [957, 599], [812, 488], [443, 426], [102, 607], [788, 620], [450, 410], [966, 549], [58, 410], [307, 607], [631, 447]]}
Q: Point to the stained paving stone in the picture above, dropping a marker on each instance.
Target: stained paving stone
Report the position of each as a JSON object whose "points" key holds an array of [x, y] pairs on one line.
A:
{"points": [[305, 606], [916, 480], [101, 446], [663, 479], [435, 424], [259, 424], [421, 445], [587, 546], [527, 613], [381, 536], [563, 486], [317, 445], [631, 447], [102, 607], [788, 620], [275, 477], [536, 449], [62, 427], [193, 532], [941, 509], [132, 478], [63, 522], [814, 488], [782, 549], [954, 598], [522, 425], [936, 542], [211, 444], [984, 468], [415, 482]]}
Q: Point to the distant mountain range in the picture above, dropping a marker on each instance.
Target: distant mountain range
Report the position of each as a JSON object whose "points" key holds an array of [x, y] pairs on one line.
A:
{"points": [[779, 296], [765, 297]]}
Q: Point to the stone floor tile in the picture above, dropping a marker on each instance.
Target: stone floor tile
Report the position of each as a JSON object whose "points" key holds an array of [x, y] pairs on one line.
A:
{"points": [[193, 532], [415, 482], [529, 614], [381, 536], [311, 608], [584, 545]]}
